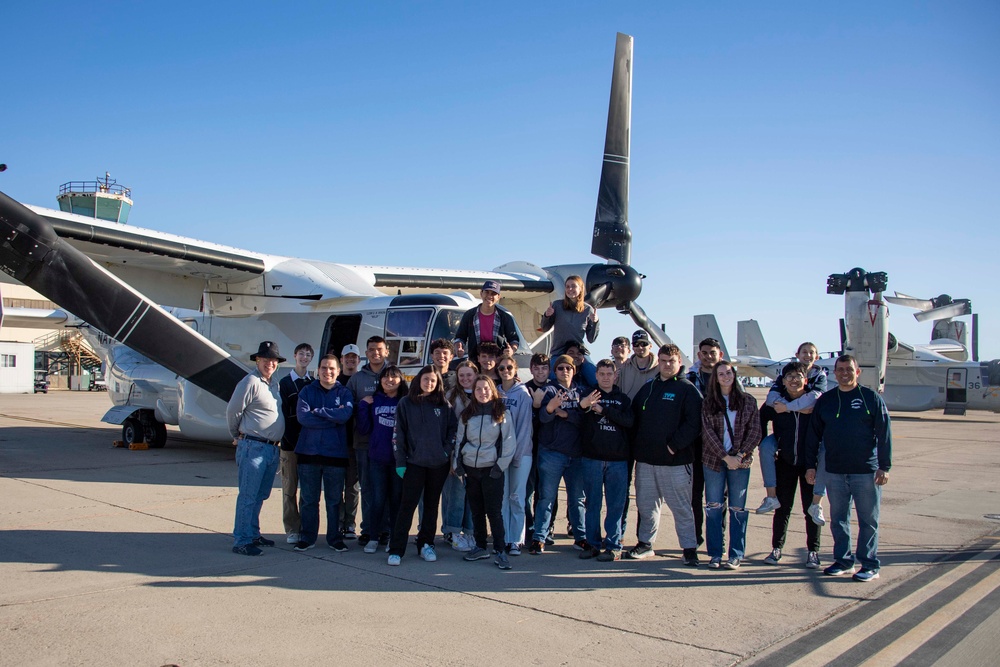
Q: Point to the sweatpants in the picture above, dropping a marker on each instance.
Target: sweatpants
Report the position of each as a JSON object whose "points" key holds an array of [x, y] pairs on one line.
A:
{"points": [[655, 485]]}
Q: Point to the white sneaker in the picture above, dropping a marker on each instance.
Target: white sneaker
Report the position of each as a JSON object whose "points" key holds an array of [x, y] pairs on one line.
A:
{"points": [[773, 557], [514, 550], [371, 547], [462, 542], [292, 538], [395, 560], [812, 560], [769, 505], [816, 512], [428, 554]]}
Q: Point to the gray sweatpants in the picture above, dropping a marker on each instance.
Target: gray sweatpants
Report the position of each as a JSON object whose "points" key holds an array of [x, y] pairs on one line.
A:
{"points": [[655, 485]]}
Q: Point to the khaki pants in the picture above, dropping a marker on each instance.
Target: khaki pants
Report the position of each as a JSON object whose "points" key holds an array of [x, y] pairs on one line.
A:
{"points": [[289, 489]]}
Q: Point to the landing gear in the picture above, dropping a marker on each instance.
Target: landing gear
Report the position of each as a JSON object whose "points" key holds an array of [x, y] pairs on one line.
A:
{"points": [[156, 435], [132, 431]]}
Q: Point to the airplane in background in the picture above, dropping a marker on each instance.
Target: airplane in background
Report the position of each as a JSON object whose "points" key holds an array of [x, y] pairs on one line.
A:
{"points": [[940, 375], [176, 319]]}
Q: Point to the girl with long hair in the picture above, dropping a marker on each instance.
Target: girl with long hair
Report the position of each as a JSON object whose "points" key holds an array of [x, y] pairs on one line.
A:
{"points": [[519, 404], [571, 319], [484, 450], [730, 432], [377, 419], [422, 441]]}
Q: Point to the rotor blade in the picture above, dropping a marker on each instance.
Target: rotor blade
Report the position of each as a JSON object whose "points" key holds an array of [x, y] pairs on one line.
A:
{"points": [[975, 337], [612, 238], [944, 312], [31, 252], [640, 317], [909, 301], [597, 296]]}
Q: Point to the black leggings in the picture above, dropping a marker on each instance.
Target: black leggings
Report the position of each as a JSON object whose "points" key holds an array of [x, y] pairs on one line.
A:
{"points": [[485, 496], [788, 477]]}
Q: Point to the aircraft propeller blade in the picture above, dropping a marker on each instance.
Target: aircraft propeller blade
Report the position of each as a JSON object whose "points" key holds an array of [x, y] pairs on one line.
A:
{"points": [[32, 253], [598, 295], [956, 309], [909, 301], [612, 237], [659, 337]]}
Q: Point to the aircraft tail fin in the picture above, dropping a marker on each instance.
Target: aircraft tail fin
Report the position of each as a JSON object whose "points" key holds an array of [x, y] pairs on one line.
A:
{"points": [[750, 340], [706, 326]]}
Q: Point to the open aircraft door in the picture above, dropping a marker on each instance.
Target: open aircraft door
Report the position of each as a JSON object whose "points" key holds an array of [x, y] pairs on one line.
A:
{"points": [[956, 384]]}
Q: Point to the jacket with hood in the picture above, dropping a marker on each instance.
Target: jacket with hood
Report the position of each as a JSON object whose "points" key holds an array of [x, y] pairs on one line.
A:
{"points": [[631, 377], [362, 384], [424, 434], [561, 434], [790, 429], [667, 417], [605, 435], [377, 421], [816, 385], [519, 405], [478, 440]]}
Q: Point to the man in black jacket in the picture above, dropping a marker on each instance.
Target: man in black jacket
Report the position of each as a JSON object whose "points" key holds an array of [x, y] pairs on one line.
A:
{"points": [[604, 464], [853, 424], [488, 322], [667, 413]]}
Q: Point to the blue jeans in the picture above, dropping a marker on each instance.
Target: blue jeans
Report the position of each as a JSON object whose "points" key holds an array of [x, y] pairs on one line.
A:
{"points": [[867, 497], [257, 463], [716, 486], [455, 515], [311, 479], [386, 489], [610, 480], [553, 466]]}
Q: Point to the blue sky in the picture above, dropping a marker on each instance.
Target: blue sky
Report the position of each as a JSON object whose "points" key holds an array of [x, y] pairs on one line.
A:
{"points": [[772, 143]]}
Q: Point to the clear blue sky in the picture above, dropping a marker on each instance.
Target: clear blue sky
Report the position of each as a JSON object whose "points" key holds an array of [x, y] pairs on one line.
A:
{"points": [[773, 143]]}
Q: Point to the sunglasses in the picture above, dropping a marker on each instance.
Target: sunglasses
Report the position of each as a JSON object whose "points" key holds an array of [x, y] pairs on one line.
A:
{"points": [[640, 344], [564, 367]]}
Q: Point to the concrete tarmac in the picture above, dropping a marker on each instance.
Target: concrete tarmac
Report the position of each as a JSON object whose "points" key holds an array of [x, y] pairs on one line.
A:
{"points": [[110, 556]]}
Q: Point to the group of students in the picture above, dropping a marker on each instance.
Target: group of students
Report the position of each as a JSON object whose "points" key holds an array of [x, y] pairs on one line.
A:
{"points": [[491, 450]]}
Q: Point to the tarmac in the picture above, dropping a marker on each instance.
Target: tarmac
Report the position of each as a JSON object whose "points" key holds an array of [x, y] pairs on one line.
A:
{"points": [[111, 556]]}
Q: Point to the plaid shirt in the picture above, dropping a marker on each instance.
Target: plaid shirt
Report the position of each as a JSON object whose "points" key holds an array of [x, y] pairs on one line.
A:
{"points": [[746, 428]]}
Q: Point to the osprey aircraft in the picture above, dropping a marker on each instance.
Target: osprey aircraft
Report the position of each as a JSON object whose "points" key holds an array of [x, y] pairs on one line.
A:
{"points": [[911, 378], [176, 319]]}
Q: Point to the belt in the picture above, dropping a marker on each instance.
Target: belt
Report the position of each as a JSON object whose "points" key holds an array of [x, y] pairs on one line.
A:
{"points": [[244, 436]]}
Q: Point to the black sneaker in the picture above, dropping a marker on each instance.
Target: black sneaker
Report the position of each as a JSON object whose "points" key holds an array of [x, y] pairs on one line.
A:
{"points": [[610, 555], [349, 534], [549, 542], [590, 552], [263, 542], [536, 548], [302, 546], [640, 551], [339, 547], [247, 550], [691, 557], [383, 539], [580, 545], [364, 539]]}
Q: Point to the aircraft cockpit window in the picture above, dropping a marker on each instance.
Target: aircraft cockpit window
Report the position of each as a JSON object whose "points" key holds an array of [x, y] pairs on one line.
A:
{"points": [[405, 335], [446, 324]]}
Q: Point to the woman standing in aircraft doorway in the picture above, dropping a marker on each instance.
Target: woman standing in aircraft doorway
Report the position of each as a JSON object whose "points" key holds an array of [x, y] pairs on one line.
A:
{"points": [[571, 318]]}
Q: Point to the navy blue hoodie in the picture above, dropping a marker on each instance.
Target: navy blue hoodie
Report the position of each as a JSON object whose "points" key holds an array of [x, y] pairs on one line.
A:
{"points": [[854, 428]]}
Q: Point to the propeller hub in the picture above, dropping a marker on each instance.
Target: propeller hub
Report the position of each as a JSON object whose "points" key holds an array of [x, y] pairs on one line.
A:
{"points": [[614, 285]]}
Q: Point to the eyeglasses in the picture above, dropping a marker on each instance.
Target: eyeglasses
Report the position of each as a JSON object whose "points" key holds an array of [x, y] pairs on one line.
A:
{"points": [[505, 368], [564, 367]]}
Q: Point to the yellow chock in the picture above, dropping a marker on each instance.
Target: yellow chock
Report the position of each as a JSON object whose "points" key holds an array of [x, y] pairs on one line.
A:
{"points": [[117, 443], [138, 445]]}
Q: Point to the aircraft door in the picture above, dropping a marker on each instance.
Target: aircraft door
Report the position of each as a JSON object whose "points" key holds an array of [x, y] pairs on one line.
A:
{"points": [[340, 330], [955, 391], [406, 335]]}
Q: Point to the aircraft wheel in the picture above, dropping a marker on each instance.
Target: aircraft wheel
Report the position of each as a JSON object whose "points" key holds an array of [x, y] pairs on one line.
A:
{"points": [[156, 435], [132, 431]]}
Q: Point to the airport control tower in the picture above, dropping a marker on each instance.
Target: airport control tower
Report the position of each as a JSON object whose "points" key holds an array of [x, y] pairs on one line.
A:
{"points": [[103, 199]]}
